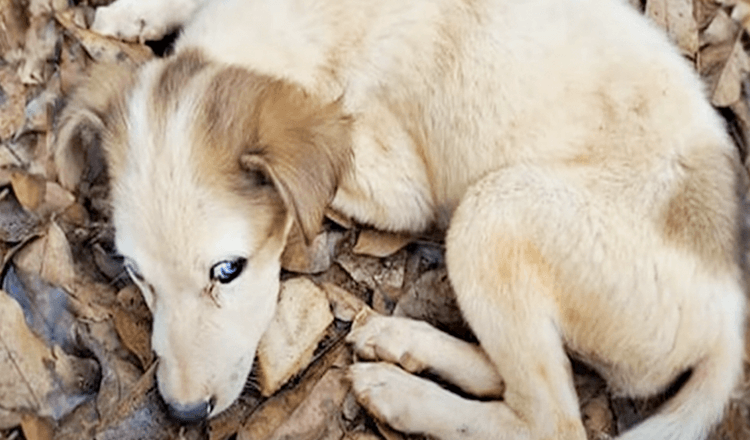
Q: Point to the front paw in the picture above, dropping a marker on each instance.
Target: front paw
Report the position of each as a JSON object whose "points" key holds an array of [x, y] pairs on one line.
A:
{"points": [[390, 339], [386, 392], [129, 21]]}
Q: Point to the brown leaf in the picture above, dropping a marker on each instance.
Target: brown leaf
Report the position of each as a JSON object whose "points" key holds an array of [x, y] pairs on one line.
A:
{"points": [[380, 244], [50, 257], [29, 189], [16, 224], [103, 49], [12, 102], [133, 324], [276, 410], [33, 377], [319, 416], [728, 87], [36, 428], [676, 17], [13, 22], [39, 50], [56, 199], [345, 306], [301, 320], [314, 258]]}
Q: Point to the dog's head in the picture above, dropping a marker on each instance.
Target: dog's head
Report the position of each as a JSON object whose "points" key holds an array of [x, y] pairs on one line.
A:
{"points": [[210, 166]]}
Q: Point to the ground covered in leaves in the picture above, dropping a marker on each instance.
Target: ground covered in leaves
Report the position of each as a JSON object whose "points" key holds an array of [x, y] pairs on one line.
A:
{"points": [[75, 358]]}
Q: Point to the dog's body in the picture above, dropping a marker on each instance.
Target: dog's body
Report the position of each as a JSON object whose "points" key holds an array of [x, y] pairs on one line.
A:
{"points": [[589, 191]]}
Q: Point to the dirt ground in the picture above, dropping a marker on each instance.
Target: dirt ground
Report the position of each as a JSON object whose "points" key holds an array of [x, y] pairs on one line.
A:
{"points": [[75, 356]]}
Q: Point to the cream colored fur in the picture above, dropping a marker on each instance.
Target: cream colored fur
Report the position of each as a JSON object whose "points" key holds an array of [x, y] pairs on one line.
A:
{"points": [[588, 190]]}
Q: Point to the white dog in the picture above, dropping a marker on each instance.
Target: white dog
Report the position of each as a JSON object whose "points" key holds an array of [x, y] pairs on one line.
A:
{"points": [[588, 190]]}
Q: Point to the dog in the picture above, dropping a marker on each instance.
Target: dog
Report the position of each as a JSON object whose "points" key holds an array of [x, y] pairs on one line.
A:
{"points": [[590, 194]]}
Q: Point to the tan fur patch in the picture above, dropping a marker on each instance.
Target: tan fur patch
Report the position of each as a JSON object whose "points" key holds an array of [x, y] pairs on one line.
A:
{"points": [[180, 70], [702, 214], [95, 118], [253, 127]]}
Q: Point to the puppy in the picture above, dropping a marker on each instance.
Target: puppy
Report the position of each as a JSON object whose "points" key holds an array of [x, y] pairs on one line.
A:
{"points": [[588, 190]]}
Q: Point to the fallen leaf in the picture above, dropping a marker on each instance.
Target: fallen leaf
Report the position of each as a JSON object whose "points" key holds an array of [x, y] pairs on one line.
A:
{"points": [[380, 244], [39, 50], [728, 87], [103, 49], [16, 224], [676, 17], [375, 272], [345, 305], [13, 23], [36, 428], [278, 408], [301, 319], [133, 324], [50, 257], [56, 199], [12, 101], [319, 416], [29, 189], [34, 378], [312, 258]]}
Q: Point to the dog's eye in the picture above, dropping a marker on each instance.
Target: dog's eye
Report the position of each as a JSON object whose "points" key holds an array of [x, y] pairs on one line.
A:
{"points": [[133, 270], [226, 271]]}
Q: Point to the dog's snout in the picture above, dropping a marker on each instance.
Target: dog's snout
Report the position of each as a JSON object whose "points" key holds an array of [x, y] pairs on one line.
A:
{"points": [[192, 412]]}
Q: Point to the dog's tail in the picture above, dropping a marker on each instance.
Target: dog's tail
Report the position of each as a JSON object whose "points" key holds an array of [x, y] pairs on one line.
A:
{"points": [[699, 404]]}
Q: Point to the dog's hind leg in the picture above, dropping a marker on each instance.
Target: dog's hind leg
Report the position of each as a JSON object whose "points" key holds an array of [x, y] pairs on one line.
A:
{"points": [[418, 347], [546, 257]]}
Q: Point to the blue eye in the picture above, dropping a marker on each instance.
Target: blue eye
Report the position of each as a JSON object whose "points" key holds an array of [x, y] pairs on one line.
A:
{"points": [[226, 271]]}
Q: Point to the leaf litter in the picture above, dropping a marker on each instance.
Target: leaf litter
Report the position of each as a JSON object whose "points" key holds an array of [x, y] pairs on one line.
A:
{"points": [[75, 355]]}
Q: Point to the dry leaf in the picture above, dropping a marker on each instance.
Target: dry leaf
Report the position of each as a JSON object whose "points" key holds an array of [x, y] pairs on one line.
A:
{"points": [[314, 258], [103, 49], [16, 224], [50, 257], [12, 102], [676, 17], [374, 272], [39, 50], [319, 416], [345, 306], [30, 189], [36, 428], [728, 87], [133, 324], [33, 377], [302, 317], [276, 410], [9, 419], [380, 244], [56, 199], [13, 24]]}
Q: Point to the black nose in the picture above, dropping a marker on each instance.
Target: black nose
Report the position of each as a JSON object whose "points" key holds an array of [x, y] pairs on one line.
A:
{"points": [[192, 412]]}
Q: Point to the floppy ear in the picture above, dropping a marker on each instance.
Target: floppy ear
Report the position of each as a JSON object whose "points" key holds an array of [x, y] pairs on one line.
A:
{"points": [[304, 148], [94, 115]]}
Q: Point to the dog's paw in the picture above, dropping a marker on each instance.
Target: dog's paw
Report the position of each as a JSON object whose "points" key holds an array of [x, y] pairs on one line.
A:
{"points": [[131, 21], [392, 395], [392, 339]]}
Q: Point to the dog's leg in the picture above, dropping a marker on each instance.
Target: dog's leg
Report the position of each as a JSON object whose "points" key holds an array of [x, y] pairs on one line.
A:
{"points": [[411, 404], [418, 347], [143, 19]]}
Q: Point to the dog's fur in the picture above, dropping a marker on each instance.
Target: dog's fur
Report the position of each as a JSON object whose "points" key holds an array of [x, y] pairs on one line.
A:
{"points": [[589, 191]]}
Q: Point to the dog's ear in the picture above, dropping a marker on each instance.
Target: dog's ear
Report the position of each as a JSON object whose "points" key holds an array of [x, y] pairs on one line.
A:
{"points": [[303, 147], [93, 115]]}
